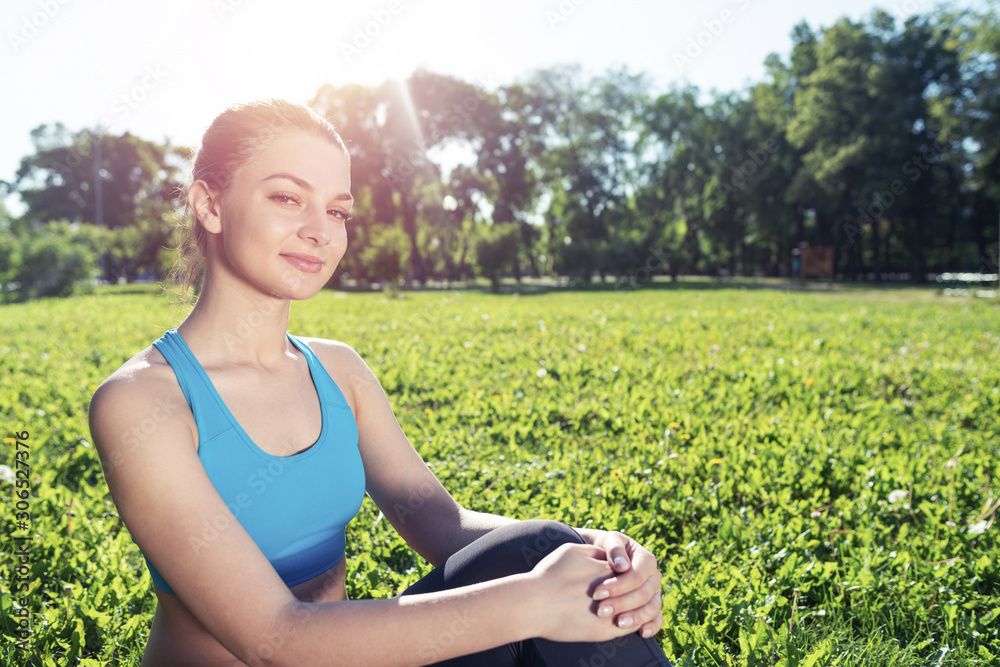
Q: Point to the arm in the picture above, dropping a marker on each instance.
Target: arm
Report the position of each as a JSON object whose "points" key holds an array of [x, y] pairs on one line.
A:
{"points": [[168, 503], [434, 524], [410, 496]]}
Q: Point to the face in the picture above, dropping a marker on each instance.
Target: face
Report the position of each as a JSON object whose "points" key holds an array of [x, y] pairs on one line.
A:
{"points": [[282, 222]]}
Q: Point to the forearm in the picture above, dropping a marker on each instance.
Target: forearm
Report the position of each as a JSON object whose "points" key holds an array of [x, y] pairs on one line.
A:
{"points": [[438, 530], [404, 631]]}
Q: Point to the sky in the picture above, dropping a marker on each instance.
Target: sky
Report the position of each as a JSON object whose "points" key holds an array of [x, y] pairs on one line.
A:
{"points": [[163, 70]]}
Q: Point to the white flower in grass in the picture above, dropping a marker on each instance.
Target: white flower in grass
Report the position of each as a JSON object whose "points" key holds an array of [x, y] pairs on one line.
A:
{"points": [[978, 528], [6, 474], [541, 372], [897, 496]]}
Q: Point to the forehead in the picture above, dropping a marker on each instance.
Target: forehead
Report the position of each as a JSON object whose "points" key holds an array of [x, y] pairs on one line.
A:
{"points": [[306, 155]]}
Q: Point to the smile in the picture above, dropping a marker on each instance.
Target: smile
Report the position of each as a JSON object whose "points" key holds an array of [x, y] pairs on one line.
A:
{"points": [[306, 263]]}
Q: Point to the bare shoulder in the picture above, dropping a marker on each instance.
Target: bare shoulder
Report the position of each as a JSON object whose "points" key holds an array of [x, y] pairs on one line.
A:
{"points": [[345, 366], [135, 401]]}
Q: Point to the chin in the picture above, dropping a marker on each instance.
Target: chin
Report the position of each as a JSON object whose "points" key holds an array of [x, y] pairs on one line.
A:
{"points": [[301, 288], [300, 293]]}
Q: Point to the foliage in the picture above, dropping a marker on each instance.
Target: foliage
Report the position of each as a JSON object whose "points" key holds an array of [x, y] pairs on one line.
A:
{"points": [[874, 136], [496, 252], [814, 472], [386, 257], [53, 260], [122, 183]]}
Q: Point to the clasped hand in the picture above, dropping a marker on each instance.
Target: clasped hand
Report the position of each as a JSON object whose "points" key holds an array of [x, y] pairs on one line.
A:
{"points": [[619, 577]]}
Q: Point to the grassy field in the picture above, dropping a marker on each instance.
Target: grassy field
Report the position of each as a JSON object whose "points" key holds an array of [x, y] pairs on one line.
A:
{"points": [[816, 472]]}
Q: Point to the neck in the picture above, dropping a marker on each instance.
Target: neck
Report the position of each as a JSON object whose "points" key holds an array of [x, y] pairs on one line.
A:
{"points": [[233, 325]]}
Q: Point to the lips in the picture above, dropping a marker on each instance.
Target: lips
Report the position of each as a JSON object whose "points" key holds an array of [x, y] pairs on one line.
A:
{"points": [[302, 262]]}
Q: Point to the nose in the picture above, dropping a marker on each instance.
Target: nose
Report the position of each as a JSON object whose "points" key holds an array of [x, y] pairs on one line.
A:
{"points": [[316, 227]]}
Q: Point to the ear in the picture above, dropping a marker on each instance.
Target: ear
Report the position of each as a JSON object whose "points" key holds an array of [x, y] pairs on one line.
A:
{"points": [[206, 206]]}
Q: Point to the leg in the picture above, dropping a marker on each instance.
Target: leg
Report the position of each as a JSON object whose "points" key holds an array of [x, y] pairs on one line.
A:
{"points": [[511, 550]]}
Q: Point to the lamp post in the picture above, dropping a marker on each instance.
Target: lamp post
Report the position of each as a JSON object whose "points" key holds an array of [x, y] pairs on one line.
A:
{"points": [[450, 204]]}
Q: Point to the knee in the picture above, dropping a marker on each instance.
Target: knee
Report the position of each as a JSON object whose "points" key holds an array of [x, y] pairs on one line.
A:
{"points": [[541, 536]]}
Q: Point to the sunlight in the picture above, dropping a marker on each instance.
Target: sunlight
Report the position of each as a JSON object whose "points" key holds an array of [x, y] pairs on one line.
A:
{"points": [[411, 111]]}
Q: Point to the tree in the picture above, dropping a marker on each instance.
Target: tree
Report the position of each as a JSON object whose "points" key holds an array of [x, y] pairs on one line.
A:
{"points": [[862, 121], [582, 146], [496, 252], [386, 258], [679, 139], [975, 116], [54, 259], [119, 182]]}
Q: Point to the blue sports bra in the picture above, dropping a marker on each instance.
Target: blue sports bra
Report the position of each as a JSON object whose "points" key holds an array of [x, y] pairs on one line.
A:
{"points": [[294, 507]]}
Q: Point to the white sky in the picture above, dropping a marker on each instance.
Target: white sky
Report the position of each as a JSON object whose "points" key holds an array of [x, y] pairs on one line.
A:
{"points": [[165, 69]]}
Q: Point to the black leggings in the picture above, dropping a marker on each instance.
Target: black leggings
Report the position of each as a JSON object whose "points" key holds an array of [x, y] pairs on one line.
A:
{"points": [[512, 549]]}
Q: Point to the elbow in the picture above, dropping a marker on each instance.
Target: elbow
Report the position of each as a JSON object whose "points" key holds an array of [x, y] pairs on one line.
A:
{"points": [[275, 647]]}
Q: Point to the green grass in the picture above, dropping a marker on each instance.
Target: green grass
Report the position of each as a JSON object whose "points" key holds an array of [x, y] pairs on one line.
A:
{"points": [[808, 467]]}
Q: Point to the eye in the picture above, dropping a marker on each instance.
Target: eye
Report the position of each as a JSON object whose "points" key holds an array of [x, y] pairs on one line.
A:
{"points": [[283, 198], [341, 214]]}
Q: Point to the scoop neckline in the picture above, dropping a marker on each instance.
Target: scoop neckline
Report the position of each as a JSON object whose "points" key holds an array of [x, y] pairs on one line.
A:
{"points": [[320, 396]]}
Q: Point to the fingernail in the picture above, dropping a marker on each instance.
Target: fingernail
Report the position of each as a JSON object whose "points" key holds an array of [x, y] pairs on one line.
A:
{"points": [[601, 594], [625, 622], [621, 563], [605, 610], [647, 633]]}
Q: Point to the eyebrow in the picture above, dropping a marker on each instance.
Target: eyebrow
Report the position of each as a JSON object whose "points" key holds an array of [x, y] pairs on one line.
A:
{"points": [[306, 185]]}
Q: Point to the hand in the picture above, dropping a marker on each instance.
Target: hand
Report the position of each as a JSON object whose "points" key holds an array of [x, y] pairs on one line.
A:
{"points": [[633, 593], [563, 585]]}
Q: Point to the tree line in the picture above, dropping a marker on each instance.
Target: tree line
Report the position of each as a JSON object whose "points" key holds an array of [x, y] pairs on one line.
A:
{"points": [[876, 137]]}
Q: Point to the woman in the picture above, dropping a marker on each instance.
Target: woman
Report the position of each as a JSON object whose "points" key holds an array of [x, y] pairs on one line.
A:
{"points": [[236, 455]]}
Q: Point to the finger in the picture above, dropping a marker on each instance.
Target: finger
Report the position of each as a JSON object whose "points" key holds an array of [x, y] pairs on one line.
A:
{"points": [[639, 617], [623, 584], [650, 629], [636, 601], [643, 560], [586, 549], [643, 567], [616, 546]]}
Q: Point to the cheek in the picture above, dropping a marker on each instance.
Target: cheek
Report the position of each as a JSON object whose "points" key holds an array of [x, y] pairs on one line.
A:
{"points": [[340, 238]]}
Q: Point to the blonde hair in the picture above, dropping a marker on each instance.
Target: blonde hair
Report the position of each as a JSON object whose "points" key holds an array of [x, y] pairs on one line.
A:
{"points": [[228, 143]]}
